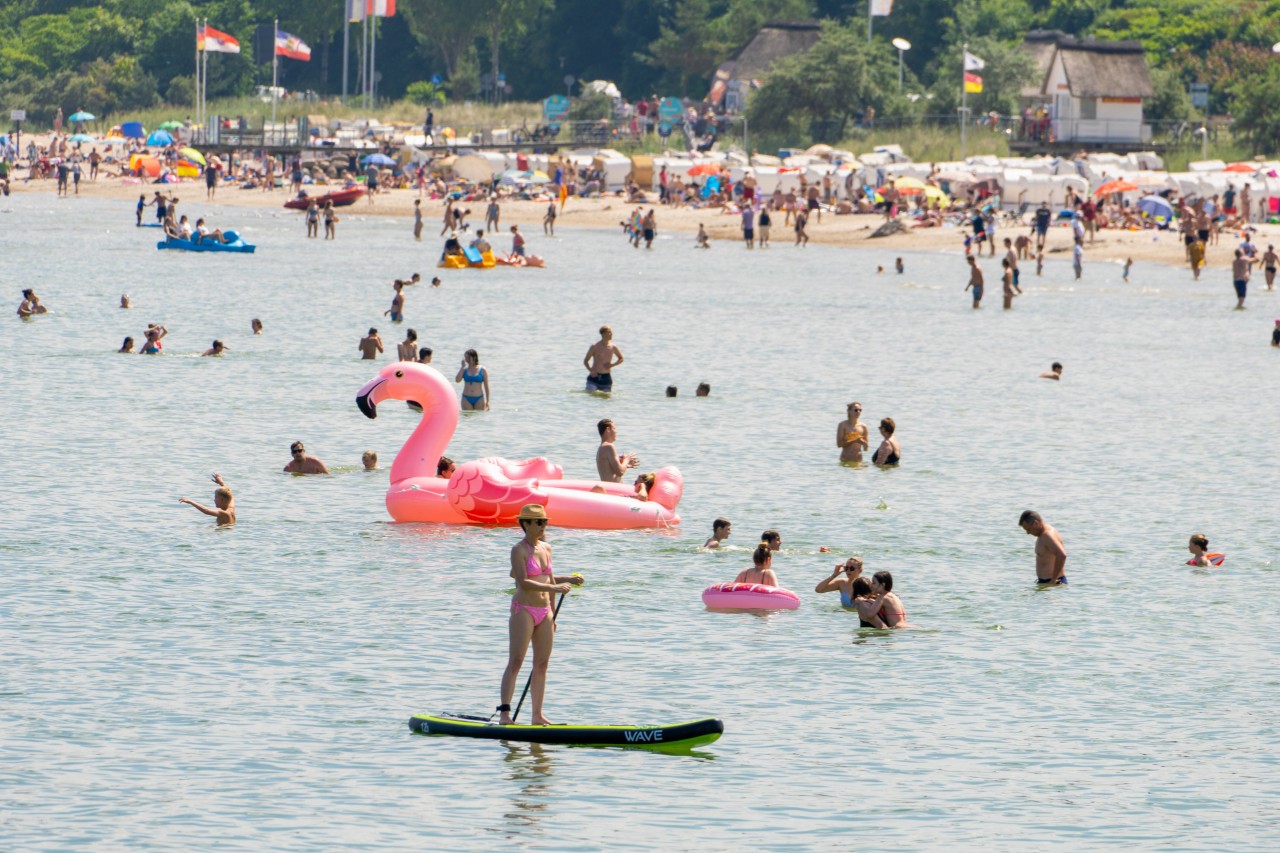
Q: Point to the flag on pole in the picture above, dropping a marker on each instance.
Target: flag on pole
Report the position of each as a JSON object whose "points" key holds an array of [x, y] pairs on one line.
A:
{"points": [[207, 38], [972, 83], [878, 7], [973, 63], [387, 8], [292, 47], [356, 10]]}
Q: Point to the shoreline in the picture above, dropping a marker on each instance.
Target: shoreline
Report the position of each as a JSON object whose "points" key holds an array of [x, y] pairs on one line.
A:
{"points": [[849, 230]]}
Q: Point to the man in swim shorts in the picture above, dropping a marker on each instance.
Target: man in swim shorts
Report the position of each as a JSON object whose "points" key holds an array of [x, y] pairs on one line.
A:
{"points": [[600, 360], [1051, 554], [1044, 217], [720, 530], [1241, 269], [975, 281], [611, 464]]}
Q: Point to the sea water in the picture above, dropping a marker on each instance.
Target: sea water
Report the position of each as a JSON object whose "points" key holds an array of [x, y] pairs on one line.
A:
{"points": [[168, 686]]}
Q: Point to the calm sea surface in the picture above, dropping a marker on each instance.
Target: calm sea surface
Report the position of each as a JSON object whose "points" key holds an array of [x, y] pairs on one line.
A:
{"points": [[170, 686]]}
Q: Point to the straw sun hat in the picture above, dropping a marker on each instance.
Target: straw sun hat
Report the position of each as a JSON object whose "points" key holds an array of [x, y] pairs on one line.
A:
{"points": [[532, 512]]}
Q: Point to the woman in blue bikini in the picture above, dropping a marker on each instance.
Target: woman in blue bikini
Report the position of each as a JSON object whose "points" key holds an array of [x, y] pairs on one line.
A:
{"points": [[532, 619], [475, 393]]}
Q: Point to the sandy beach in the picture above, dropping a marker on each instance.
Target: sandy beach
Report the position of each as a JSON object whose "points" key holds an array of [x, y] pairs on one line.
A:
{"points": [[607, 212]]}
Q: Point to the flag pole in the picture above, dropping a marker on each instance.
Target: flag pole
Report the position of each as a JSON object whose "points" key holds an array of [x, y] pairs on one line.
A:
{"points": [[373, 63], [346, 46], [197, 71], [275, 65], [204, 90], [871, 5], [964, 100]]}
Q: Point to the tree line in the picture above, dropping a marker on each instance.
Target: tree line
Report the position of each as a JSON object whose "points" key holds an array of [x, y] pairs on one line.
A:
{"points": [[109, 56]]}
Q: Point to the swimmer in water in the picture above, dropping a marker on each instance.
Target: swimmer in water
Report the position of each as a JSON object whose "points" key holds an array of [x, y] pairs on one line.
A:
{"points": [[761, 570], [851, 435], [1051, 554], [127, 346], [855, 592], [218, 348], [369, 460], [301, 463], [445, 468], [124, 301], [475, 389], [224, 503], [1055, 372], [256, 326], [644, 482], [720, 530], [1199, 548], [396, 311], [532, 618], [773, 539], [889, 452]]}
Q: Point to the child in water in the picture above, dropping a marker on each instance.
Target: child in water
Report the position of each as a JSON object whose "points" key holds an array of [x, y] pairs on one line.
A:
{"points": [[224, 503], [704, 240], [1128, 264]]}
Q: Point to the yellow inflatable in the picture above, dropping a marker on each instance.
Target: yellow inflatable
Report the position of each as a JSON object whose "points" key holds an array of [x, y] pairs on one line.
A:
{"points": [[488, 261], [453, 262]]}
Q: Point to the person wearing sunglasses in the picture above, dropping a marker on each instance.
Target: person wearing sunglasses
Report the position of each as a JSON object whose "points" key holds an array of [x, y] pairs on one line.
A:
{"points": [[301, 463], [857, 593], [851, 435], [532, 620]]}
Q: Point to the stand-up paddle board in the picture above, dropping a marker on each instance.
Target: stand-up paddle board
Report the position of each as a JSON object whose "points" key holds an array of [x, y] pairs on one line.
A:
{"points": [[678, 736]]}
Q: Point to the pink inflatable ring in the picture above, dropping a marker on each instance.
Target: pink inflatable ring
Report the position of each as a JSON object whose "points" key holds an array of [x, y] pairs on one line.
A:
{"points": [[749, 596]]}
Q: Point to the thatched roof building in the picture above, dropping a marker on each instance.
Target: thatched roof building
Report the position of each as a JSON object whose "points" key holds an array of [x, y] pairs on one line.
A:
{"points": [[750, 64], [1105, 69], [1040, 45]]}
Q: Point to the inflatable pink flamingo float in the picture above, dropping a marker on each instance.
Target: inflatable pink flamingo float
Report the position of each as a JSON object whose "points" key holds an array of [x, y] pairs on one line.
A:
{"points": [[492, 490]]}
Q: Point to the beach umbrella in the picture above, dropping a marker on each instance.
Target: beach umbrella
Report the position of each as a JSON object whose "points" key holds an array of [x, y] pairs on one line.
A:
{"points": [[1243, 168], [172, 125], [1117, 186], [160, 137], [378, 160], [80, 137], [1156, 207], [194, 156], [909, 186], [704, 168], [936, 194], [537, 177], [83, 116]]}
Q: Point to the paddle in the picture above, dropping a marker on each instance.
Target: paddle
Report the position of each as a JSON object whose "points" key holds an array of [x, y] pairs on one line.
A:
{"points": [[529, 680]]}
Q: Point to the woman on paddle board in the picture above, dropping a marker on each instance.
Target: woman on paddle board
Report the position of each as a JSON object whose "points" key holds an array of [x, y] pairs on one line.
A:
{"points": [[531, 616]]}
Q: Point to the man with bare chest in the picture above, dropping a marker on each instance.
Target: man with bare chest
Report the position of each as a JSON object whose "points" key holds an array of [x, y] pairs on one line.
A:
{"points": [[600, 360], [1051, 554]]}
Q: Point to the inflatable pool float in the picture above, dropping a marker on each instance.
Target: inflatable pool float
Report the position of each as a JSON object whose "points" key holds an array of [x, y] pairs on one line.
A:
{"points": [[672, 737], [1216, 558], [749, 596], [233, 244], [340, 198], [492, 490], [453, 262]]}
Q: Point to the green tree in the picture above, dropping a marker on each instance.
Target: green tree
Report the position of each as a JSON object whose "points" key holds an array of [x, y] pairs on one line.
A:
{"points": [[700, 34], [824, 87], [439, 23], [1257, 113], [1172, 102], [1008, 69]]}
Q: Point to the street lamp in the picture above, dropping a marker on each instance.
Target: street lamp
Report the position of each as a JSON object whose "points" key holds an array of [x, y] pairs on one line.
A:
{"points": [[903, 45]]}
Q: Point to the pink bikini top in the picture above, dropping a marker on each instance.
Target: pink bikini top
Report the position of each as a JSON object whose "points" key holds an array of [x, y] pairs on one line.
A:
{"points": [[533, 569]]}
